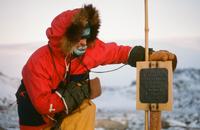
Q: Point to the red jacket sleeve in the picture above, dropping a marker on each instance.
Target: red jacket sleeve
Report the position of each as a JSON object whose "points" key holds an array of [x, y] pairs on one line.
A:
{"points": [[106, 53], [38, 85]]}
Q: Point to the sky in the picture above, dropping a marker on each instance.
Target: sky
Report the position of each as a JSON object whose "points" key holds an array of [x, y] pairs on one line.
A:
{"points": [[25, 21], [173, 25]]}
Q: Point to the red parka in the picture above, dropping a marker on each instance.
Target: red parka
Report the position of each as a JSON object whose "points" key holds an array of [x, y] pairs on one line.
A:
{"points": [[39, 74]]}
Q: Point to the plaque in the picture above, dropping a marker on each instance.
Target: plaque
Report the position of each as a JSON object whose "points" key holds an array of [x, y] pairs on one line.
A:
{"points": [[154, 85]]}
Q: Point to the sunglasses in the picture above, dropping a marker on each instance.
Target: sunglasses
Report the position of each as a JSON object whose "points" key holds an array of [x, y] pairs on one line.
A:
{"points": [[86, 33]]}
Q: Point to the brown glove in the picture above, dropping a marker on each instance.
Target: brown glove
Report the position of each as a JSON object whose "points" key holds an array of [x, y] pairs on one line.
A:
{"points": [[164, 55], [95, 88]]}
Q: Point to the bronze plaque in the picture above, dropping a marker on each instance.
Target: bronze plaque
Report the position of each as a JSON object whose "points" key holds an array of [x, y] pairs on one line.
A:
{"points": [[154, 85]]}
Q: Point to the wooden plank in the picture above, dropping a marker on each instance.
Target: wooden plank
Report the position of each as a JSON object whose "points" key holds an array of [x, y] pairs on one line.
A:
{"points": [[155, 120], [160, 64]]}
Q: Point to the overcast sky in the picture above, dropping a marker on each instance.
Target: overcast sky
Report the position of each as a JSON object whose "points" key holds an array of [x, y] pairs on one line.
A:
{"points": [[174, 26], [24, 21]]}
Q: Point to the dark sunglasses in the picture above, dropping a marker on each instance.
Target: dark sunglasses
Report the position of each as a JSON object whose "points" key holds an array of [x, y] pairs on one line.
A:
{"points": [[86, 33]]}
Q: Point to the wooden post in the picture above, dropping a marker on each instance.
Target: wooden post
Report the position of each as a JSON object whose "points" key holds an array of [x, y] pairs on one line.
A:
{"points": [[146, 120], [155, 121], [146, 53], [153, 85], [146, 31]]}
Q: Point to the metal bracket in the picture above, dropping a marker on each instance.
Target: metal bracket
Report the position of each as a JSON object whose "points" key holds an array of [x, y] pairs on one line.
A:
{"points": [[154, 107]]}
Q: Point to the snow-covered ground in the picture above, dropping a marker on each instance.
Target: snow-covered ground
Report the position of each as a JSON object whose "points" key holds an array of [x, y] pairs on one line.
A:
{"points": [[186, 107], [117, 104]]}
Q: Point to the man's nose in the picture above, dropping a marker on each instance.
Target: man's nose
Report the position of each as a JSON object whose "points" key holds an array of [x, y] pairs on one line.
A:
{"points": [[83, 42]]}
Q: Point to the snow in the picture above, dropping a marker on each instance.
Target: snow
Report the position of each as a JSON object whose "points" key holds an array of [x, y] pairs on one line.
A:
{"points": [[120, 98], [8, 89], [116, 105]]}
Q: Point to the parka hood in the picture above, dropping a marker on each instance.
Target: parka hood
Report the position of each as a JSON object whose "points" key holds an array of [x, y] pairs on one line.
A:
{"points": [[70, 24]]}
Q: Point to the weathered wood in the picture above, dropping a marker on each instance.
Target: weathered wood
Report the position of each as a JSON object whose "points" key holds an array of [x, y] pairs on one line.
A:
{"points": [[155, 120], [155, 64]]}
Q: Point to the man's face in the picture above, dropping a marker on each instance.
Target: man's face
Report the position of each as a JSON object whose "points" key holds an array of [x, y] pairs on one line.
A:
{"points": [[81, 43], [80, 48]]}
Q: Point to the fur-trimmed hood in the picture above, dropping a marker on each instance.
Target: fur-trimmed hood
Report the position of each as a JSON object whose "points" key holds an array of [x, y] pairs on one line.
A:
{"points": [[69, 25]]}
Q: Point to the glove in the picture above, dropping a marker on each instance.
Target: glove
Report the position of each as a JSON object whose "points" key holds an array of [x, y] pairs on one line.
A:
{"points": [[137, 54], [164, 55], [95, 88], [73, 94]]}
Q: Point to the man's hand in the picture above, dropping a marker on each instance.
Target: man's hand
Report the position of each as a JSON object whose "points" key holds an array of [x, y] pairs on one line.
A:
{"points": [[164, 55], [73, 94]]}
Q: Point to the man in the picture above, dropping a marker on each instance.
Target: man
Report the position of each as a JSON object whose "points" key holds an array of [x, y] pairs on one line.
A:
{"points": [[55, 92]]}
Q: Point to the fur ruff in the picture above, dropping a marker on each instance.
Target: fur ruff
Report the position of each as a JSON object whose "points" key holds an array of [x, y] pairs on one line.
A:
{"points": [[88, 15]]}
